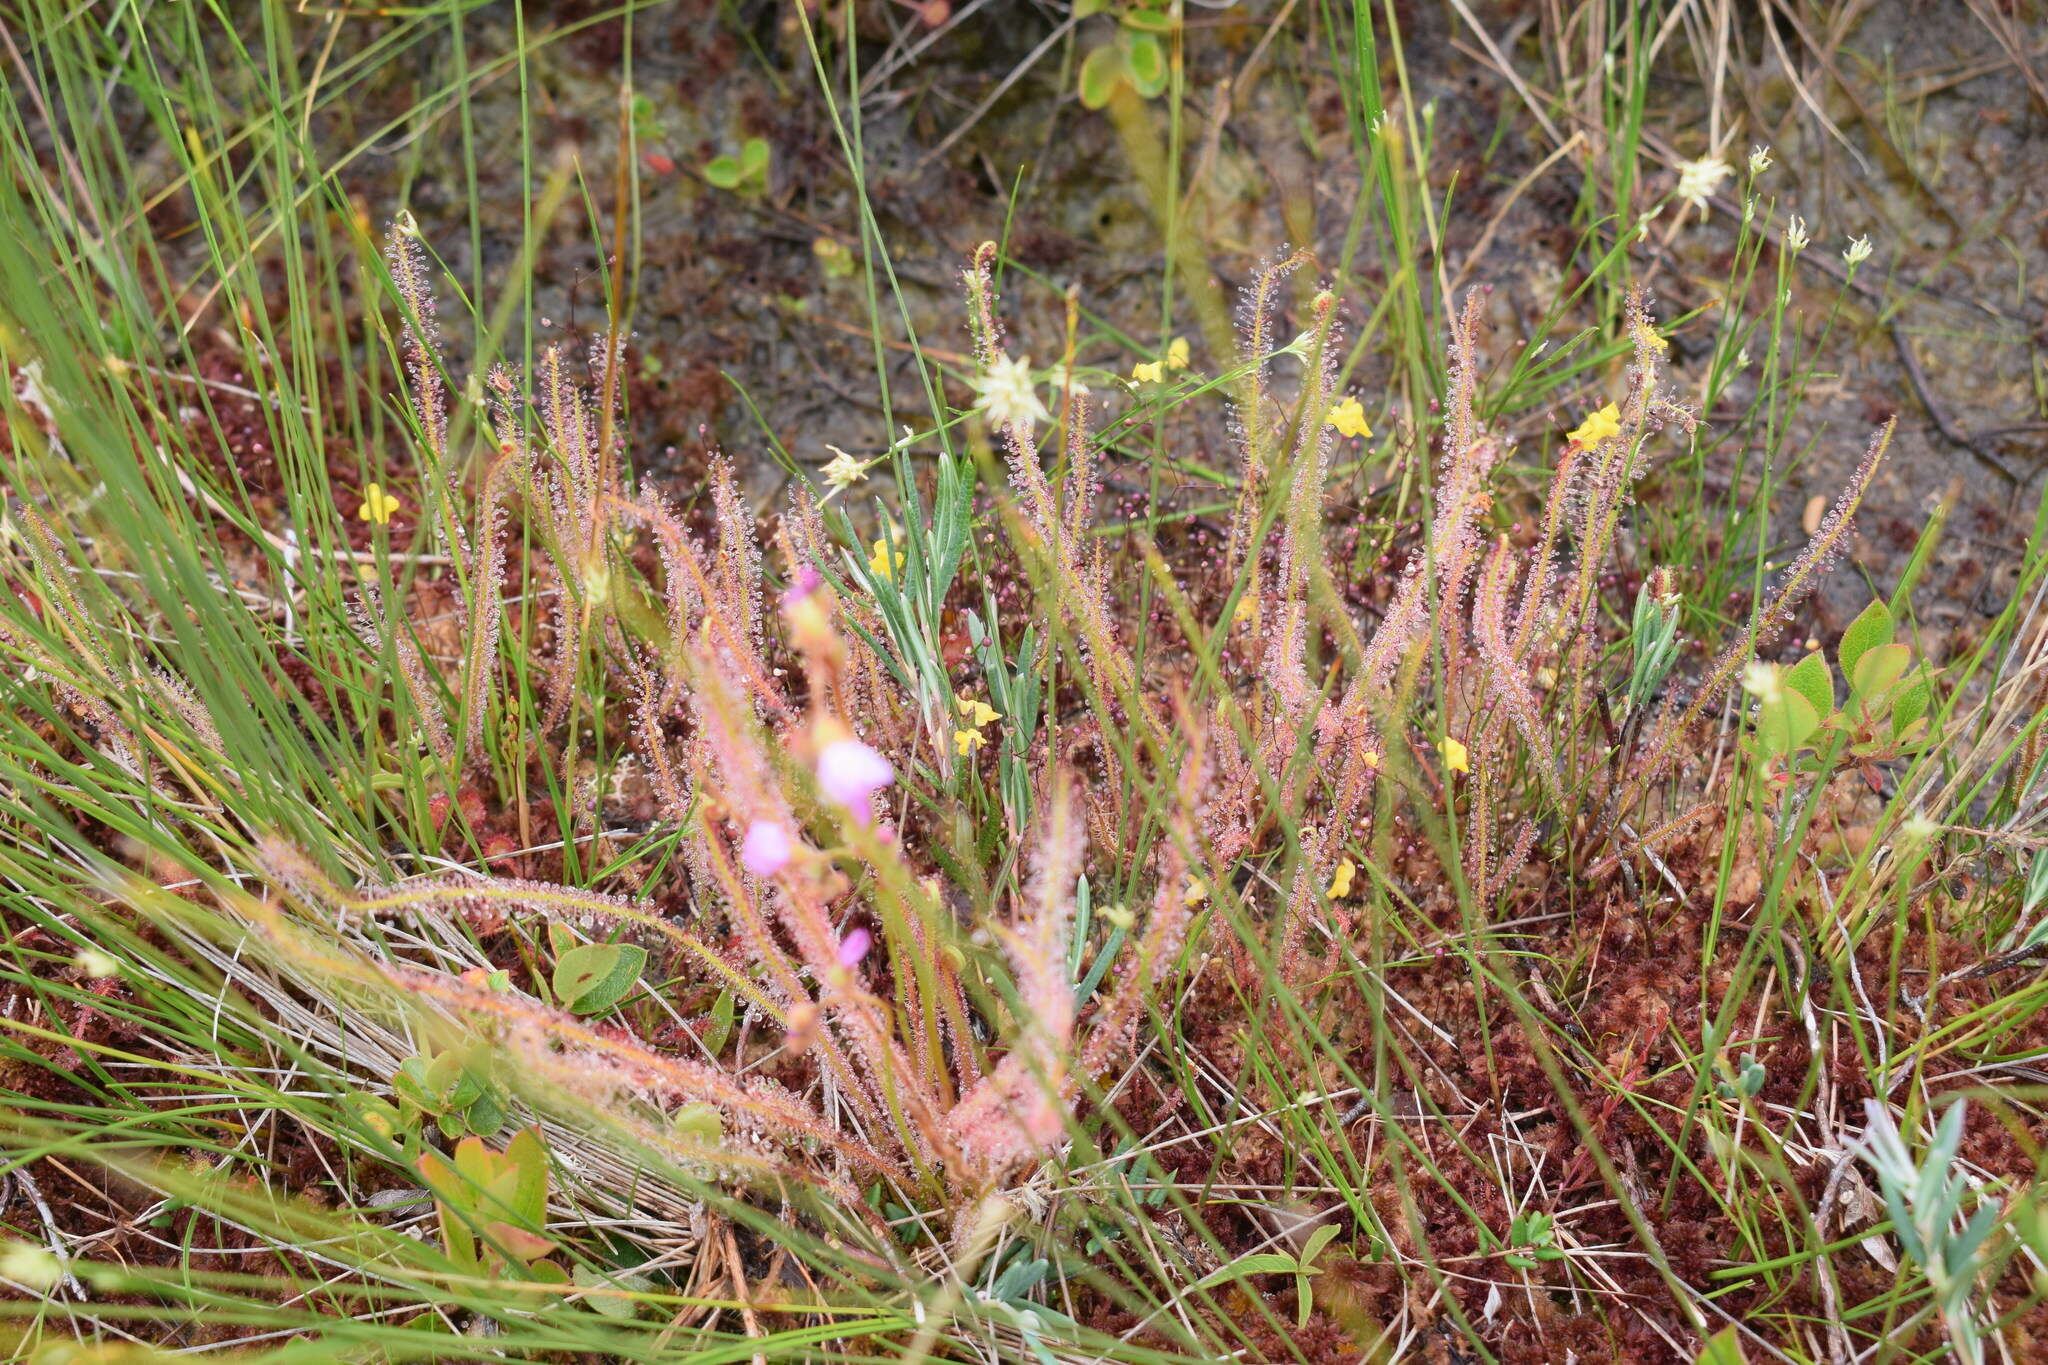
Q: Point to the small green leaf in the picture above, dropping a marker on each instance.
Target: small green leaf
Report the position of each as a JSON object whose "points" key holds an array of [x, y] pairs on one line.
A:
{"points": [[410, 1084], [1020, 1278], [1145, 64], [443, 1074], [698, 1122], [1912, 701], [1870, 629], [1244, 1267], [723, 171], [475, 1163], [1724, 1348], [608, 1300], [527, 1155], [593, 978], [1784, 722], [451, 1193], [754, 159], [485, 1115], [1877, 669], [719, 1030], [463, 1093], [1317, 1240], [581, 970], [378, 1117], [1812, 680], [1101, 70], [516, 1241], [1145, 20]]}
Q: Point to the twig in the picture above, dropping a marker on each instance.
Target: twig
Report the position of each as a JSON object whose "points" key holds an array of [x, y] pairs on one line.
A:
{"points": [[1942, 420]]}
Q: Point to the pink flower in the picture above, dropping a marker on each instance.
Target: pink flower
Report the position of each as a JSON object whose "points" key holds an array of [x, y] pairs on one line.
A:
{"points": [[850, 773], [854, 947], [766, 849], [802, 584]]}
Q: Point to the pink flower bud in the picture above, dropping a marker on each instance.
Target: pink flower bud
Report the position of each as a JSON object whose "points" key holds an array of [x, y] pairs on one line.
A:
{"points": [[850, 773], [854, 947], [766, 849]]}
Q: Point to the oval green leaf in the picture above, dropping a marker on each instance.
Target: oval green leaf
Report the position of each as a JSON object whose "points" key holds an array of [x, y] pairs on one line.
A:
{"points": [[723, 171], [1784, 722], [593, 978], [1879, 667], [1100, 72], [1873, 627], [1812, 680], [1145, 62]]}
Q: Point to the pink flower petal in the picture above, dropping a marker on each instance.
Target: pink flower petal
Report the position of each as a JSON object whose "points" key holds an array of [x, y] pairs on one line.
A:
{"points": [[766, 850], [854, 947], [850, 773]]}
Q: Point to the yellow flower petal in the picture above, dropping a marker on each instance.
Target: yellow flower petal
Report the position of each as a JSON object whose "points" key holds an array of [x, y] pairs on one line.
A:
{"points": [[1195, 894], [378, 506], [976, 713], [1349, 418], [882, 563], [1150, 372], [1177, 354], [1247, 612], [966, 742], [1456, 756], [1340, 884], [1597, 427]]}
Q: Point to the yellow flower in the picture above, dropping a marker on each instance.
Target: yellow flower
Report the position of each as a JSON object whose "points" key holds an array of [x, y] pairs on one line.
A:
{"points": [[1349, 419], [1371, 759], [1195, 894], [1155, 371], [1597, 427], [975, 714], [1456, 756], [882, 563], [377, 505], [1247, 612], [1340, 884]]}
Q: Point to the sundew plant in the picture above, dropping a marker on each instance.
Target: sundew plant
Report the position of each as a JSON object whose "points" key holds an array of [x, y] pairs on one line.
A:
{"points": [[1213, 851]]}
